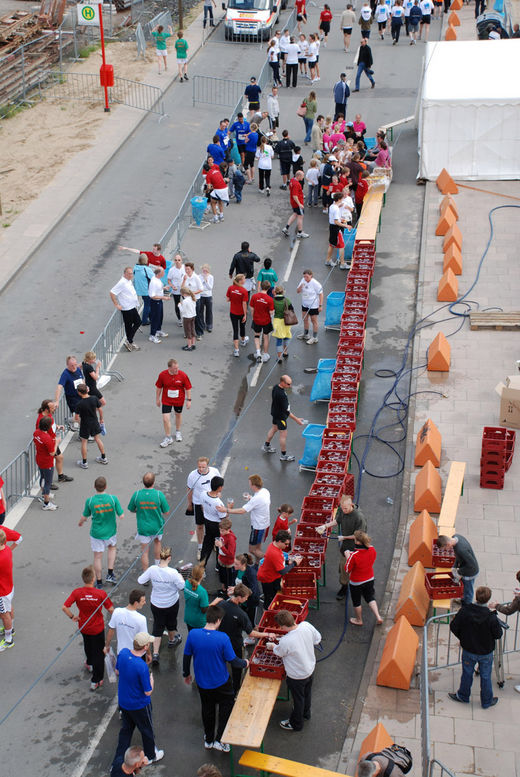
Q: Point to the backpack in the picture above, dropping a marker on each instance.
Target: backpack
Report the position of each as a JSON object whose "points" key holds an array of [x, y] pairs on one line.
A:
{"points": [[397, 755]]}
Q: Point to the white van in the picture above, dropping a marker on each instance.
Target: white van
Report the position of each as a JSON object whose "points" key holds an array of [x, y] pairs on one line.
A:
{"points": [[252, 18]]}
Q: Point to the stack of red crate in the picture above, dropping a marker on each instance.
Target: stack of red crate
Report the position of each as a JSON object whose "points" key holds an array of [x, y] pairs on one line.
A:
{"points": [[498, 445]]}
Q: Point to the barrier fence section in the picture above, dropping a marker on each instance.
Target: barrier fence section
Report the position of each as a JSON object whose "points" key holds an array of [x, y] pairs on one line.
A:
{"points": [[217, 91]]}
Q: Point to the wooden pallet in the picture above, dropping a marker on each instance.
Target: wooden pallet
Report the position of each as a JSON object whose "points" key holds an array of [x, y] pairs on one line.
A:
{"points": [[495, 320]]}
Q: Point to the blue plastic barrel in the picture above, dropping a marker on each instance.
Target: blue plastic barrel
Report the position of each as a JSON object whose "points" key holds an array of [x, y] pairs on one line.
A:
{"points": [[334, 310], [321, 388], [349, 238], [198, 208], [312, 435]]}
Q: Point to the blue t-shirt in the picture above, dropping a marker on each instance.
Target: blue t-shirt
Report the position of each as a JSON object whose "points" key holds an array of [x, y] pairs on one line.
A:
{"points": [[134, 681], [210, 650], [252, 143], [216, 152], [142, 277], [223, 135], [252, 92], [70, 381], [240, 129]]}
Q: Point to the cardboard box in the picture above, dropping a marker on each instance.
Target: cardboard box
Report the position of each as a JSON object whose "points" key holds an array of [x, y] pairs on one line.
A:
{"points": [[509, 393]]}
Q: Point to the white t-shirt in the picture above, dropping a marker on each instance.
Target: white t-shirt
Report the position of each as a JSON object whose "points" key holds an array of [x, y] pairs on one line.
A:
{"points": [[304, 47], [200, 484], [347, 206], [258, 509], [381, 13], [335, 213], [166, 584], [397, 12], [276, 43], [209, 507], [365, 13], [265, 157], [426, 7], [188, 307], [125, 293], [193, 283], [296, 649], [207, 284], [312, 176], [285, 41], [272, 54], [155, 289], [310, 293], [313, 51], [127, 623], [175, 277], [293, 51]]}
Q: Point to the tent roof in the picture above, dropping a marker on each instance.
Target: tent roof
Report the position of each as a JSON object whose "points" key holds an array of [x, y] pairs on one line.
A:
{"points": [[481, 71]]}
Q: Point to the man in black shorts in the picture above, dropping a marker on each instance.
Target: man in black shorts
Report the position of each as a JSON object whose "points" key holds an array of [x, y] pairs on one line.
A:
{"points": [[89, 426], [284, 148], [262, 306], [243, 263], [280, 412]]}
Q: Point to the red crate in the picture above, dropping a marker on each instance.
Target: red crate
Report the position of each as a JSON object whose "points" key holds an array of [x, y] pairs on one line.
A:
{"points": [[268, 623], [315, 517], [335, 435], [307, 531], [355, 303], [328, 479], [353, 319], [442, 557], [350, 381], [333, 457], [352, 331], [300, 584], [331, 492], [492, 470], [496, 458], [442, 585], [264, 663], [312, 564], [349, 485], [492, 481], [298, 606], [494, 433], [343, 391], [343, 407], [318, 503], [342, 421], [314, 544], [358, 284], [332, 467]]}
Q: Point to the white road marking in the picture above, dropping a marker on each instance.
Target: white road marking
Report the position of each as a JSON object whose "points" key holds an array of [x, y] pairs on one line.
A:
{"points": [[95, 740], [256, 375], [225, 465], [291, 260], [193, 538]]}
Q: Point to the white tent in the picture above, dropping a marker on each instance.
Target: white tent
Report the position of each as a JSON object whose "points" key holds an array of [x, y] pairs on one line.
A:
{"points": [[469, 110]]}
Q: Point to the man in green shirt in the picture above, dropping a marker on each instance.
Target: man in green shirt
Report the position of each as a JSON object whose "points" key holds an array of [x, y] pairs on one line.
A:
{"points": [[103, 509], [348, 519], [149, 505], [181, 47]]}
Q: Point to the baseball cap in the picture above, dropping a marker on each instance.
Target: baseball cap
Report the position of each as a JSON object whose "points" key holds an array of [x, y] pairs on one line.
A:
{"points": [[332, 158], [143, 639]]}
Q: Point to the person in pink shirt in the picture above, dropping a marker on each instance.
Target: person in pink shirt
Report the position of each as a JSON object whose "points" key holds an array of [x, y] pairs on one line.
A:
{"points": [[383, 158], [359, 127]]}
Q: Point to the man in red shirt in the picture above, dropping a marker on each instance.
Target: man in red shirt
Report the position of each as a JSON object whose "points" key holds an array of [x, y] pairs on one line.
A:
{"points": [[175, 386], [218, 188], [90, 621], [6, 592], [262, 306], [273, 567], [155, 258], [301, 13], [15, 538], [296, 200], [46, 446], [238, 296]]}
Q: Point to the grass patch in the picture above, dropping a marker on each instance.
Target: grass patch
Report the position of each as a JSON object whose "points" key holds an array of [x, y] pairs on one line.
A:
{"points": [[88, 50]]}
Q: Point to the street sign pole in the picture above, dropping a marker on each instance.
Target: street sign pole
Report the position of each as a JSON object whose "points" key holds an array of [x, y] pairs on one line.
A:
{"points": [[102, 34]]}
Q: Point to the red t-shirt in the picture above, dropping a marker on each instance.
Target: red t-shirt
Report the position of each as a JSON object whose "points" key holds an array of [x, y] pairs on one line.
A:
{"points": [[52, 430], [215, 178], [157, 261], [6, 571], [45, 444], [326, 15], [88, 600], [295, 190], [2, 503], [226, 554], [237, 295], [300, 6], [10, 534], [262, 304], [273, 563], [281, 524], [361, 190], [360, 565], [173, 387]]}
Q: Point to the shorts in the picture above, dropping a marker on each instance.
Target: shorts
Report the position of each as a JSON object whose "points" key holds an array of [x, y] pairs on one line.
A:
{"points": [[281, 56], [381, 25], [365, 590], [220, 194], [256, 536], [302, 60], [325, 26], [347, 30], [98, 546], [147, 540], [161, 52], [6, 603], [249, 159], [72, 402], [280, 424], [266, 329], [274, 122], [89, 430], [167, 409], [298, 211], [312, 62], [46, 480], [241, 148], [164, 618], [334, 231], [285, 167], [311, 311], [301, 16], [254, 106], [427, 19], [199, 515], [182, 60]]}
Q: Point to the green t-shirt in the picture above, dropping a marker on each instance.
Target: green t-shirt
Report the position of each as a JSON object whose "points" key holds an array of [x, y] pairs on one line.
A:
{"points": [[160, 40], [149, 504], [267, 275], [103, 509], [193, 601], [181, 47]]}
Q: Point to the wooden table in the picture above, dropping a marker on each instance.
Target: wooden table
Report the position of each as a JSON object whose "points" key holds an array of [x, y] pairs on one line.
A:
{"points": [[369, 221]]}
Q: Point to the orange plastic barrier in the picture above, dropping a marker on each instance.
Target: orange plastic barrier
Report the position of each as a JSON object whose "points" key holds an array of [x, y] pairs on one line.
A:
{"points": [[448, 288], [428, 445], [428, 489], [448, 202], [446, 220], [398, 659], [453, 235], [453, 259], [445, 183], [456, 5], [450, 33], [375, 741], [453, 19], [413, 602], [422, 533], [439, 354]]}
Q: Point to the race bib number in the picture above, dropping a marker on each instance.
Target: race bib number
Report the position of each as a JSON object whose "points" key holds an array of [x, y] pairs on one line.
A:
{"points": [[173, 393], [77, 382]]}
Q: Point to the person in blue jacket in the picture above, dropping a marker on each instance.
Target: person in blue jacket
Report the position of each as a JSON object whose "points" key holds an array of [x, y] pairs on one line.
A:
{"points": [[250, 151], [215, 150], [143, 274]]}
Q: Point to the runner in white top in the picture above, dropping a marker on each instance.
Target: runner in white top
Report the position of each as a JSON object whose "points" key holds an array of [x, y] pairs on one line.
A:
{"points": [[312, 57], [258, 506], [126, 622], [284, 44], [382, 14], [427, 8], [176, 275], [214, 511], [312, 303], [318, 44], [199, 483]]}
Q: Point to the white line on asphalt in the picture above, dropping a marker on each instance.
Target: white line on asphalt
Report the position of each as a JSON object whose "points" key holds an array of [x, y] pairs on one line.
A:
{"points": [[94, 742], [225, 465], [291, 260], [256, 375]]}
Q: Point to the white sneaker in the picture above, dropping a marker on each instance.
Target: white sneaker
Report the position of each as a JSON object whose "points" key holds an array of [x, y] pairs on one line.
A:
{"points": [[221, 217], [101, 460], [517, 688], [161, 334], [178, 436], [215, 219], [236, 352], [159, 755], [82, 464], [303, 336], [50, 506], [266, 357], [312, 340], [222, 746], [199, 553], [208, 745], [154, 339], [167, 441], [244, 341], [302, 235]]}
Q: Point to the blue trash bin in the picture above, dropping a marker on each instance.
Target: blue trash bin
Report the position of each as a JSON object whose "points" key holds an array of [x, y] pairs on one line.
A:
{"points": [[334, 310], [321, 388], [312, 435], [198, 208], [349, 238]]}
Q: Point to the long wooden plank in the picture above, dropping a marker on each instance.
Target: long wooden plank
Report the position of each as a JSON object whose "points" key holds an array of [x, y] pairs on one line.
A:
{"points": [[494, 320], [452, 493], [369, 220], [275, 765], [250, 716]]}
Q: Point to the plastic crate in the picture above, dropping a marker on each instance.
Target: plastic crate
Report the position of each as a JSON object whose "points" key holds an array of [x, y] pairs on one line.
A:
{"points": [[314, 544], [442, 557], [268, 623], [442, 585], [318, 503], [312, 564], [308, 531], [315, 517], [342, 421], [264, 663], [333, 457], [331, 492], [298, 606], [300, 584], [492, 481], [349, 372], [332, 467], [349, 485], [493, 469]]}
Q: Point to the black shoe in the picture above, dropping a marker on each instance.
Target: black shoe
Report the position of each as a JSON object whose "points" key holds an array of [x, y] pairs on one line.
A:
{"points": [[454, 697], [494, 701], [342, 593], [64, 478], [54, 487], [307, 717]]}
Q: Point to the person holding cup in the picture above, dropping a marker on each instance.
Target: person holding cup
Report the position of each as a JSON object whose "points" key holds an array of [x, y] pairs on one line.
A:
{"points": [[274, 566]]}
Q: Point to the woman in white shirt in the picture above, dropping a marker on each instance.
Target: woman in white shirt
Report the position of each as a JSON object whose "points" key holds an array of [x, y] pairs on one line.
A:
{"points": [[272, 58], [312, 56], [397, 21], [381, 15], [264, 154], [188, 310], [206, 298], [176, 275], [303, 43], [291, 63], [284, 44], [164, 601]]}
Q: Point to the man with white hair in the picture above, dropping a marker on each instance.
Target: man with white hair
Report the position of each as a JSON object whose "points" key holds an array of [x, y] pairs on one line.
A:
{"points": [[393, 761], [134, 759]]}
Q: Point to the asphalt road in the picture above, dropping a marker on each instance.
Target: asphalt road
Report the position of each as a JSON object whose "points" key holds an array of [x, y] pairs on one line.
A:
{"points": [[58, 720]]}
